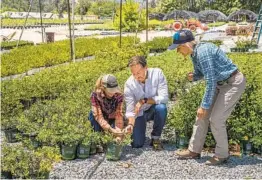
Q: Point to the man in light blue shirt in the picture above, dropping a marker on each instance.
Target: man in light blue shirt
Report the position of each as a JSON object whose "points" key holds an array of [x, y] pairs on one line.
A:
{"points": [[224, 86], [146, 95]]}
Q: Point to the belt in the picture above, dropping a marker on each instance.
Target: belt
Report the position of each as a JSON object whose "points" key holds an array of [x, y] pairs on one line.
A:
{"points": [[231, 75]]}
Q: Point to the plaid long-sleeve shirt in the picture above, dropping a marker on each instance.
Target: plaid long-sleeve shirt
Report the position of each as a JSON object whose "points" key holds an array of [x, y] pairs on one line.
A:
{"points": [[105, 109], [211, 63]]}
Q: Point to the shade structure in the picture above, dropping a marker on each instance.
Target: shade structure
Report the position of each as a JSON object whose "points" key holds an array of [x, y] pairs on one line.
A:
{"points": [[212, 15], [180, 14], [243, 15]]}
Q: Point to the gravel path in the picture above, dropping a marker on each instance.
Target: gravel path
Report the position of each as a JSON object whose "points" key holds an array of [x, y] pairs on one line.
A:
{"points": [[144, 163]]}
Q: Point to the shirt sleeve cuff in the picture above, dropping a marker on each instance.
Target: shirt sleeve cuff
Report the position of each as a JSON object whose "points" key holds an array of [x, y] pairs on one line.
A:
{"points": [[205, 105], [130, 114]]}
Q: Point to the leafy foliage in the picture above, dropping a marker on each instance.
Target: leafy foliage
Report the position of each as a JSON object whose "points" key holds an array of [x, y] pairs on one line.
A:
{"points": [[133, 17]]}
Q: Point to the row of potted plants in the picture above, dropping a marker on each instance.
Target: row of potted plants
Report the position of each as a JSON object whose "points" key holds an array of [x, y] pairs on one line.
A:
{"points": [[19, 161], [45, 55], [244, 46], [6, 45], [31, 22]]}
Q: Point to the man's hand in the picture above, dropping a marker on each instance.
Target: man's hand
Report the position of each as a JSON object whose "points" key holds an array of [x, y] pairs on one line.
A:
{"points": [[116, 131], [138, 107], [190, 76], [201, 113], [129, 129]]}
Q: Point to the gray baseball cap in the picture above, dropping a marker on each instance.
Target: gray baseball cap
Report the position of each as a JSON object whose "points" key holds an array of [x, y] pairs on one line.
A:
{"points": [[109, 81]]}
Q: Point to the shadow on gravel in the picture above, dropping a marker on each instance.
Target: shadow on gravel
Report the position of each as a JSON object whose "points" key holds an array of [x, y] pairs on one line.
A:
{"points": [[234, 161]]}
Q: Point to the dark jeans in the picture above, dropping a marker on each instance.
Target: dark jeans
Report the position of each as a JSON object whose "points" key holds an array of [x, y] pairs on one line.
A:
{"points": [[158, 113], [96, 126]]}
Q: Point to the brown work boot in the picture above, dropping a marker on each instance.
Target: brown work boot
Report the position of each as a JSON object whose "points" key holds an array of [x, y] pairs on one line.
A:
{"points": [[216, 161], [157, 144], [186, 154]]}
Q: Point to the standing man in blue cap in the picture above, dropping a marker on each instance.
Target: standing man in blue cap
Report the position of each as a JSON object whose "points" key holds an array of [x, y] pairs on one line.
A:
{"points": [[224, 87]]}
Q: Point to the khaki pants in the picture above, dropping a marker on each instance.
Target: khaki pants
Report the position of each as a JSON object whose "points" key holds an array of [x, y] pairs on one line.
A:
{"points": [[225, 99]]}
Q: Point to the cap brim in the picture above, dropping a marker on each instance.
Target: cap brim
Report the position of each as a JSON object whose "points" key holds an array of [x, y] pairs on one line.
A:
{"points": [[114, 90], [173, 46]]}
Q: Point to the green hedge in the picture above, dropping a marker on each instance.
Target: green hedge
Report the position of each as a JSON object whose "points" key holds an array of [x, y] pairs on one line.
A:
{"points": [[12, 44], [31, 22], [44, 55]]}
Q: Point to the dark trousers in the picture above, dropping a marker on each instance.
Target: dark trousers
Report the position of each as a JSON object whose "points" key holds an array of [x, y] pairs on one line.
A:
{"points": [[96, 126], [158, 113]]}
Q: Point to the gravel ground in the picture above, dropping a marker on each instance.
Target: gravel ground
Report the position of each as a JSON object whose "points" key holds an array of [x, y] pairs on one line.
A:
{"points": [[144, 163]]}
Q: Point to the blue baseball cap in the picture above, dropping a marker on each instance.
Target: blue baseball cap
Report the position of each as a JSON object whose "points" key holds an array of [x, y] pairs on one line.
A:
{"points": [[181, 37]]}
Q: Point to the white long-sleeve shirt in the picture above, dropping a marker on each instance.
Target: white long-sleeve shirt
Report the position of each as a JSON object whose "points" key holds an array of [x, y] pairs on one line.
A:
{"points": [[155, 87]]}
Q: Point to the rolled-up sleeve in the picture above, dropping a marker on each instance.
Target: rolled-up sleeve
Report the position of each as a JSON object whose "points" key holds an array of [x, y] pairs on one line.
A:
{"points": [[130, 102], [162, 92]]}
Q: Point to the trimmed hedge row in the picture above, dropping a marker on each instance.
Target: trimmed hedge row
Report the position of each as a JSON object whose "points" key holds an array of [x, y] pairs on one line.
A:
{"points": [[44, 55], [12, 44]]}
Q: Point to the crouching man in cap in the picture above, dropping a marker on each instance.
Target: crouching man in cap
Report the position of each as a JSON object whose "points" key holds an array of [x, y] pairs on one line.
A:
{"points": [[224, 87]]}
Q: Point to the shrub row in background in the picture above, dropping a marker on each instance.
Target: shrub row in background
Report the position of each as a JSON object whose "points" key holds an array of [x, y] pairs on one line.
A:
{"points": [[25, 58], [30, 22], [12, 44]]}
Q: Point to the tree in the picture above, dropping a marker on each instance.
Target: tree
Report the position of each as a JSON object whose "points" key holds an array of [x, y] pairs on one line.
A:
{"points": [[61, 6], [133, 17], [103, 8], [83, 6]]}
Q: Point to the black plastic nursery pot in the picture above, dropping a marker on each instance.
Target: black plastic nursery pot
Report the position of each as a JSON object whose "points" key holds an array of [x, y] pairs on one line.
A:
{"points": [[6, 175], [68, 152], [11, 135], [35, 143], [181, 141], [83, 151], [246, 147], [239, 49], [257, 150], [157, 50], [252, 46], [92, 148], [114, 151]]}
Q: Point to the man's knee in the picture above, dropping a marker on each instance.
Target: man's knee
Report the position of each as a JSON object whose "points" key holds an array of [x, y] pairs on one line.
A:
{"points": [[161, 108]]}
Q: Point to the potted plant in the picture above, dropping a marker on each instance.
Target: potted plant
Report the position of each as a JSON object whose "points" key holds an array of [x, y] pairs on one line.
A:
{"points": [[42, 161], [27, 164], [83, 149], [10, 129], [241, 46], [30, 122], [95, 139], [183, 141], [246, 146], [114, 145]]}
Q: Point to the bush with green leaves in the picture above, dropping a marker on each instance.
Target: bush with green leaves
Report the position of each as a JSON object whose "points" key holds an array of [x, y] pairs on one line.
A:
{"points": [[216, 42], [26, 163], [159, 43], [12, 44], [133, 17], [25, 58]]}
